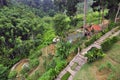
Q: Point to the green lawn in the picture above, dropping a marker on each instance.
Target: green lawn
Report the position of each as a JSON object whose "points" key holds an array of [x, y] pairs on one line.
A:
{"points": [[107, 68], [66, 76]]}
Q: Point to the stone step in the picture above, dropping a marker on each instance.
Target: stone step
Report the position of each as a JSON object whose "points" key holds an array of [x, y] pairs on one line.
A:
{"points": [[70, 78]]}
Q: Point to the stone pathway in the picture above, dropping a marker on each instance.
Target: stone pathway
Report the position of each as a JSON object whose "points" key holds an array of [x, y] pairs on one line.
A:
{"points": [[80, 59]]}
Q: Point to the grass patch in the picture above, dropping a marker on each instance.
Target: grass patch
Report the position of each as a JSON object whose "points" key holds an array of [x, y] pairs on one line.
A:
{"points": [[74, 66], [66, 76]]}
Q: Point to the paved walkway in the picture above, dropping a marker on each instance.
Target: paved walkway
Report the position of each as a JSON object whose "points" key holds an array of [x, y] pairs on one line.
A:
{"points": [[80, 59]]}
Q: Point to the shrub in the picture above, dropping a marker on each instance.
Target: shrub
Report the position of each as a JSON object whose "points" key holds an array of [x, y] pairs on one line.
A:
{"points": [[25, 70], [94, 54], [108, 43], [107, 66], [35, 76], [93, 38], [12, 75], [63, 49], [111, 77], [53, 71], [35, 54], [49, 75], [60, 65], [34, 63]]}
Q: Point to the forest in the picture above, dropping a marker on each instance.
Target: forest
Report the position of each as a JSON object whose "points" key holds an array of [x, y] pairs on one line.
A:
{"points": [[28, 26]]}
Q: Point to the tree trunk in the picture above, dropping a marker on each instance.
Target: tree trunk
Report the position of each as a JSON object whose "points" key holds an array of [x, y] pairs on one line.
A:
{"points": [[84, 22], [117, 13]]}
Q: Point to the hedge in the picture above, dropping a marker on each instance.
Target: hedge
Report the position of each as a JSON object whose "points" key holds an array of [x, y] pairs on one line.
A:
{"points": [[94, 38], [106, 45], [94, 54], [53, 72]]}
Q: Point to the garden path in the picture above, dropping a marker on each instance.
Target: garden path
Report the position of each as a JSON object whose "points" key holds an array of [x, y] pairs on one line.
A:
{"points": [[80, 59]]}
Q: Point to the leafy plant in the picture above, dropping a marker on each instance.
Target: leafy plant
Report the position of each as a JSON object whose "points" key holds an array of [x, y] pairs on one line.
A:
{"points": [[12, 75], [94, 54]]}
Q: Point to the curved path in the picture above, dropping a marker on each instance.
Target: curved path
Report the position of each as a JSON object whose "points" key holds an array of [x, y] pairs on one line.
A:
{"points": [[80, 59]]}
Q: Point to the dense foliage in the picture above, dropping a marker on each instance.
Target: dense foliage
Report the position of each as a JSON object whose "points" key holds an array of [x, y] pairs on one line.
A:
{"points": [[108, 43], [112, 5], [20, 31], [61, 24], [94, 54], [25, 28]]}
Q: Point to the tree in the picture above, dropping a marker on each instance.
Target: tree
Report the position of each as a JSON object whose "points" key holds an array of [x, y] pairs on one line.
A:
{"points": [[3, 70], [61, 24], [47, 5], [12, 75], [117, 13], [112, 5], [3, 2], [85, 9], [60, 4], [71, 7]]}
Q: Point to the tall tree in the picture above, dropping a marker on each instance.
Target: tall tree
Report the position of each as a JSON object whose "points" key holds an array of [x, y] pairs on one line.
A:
{"points": [[47, 5], [60, 4], [111, 5], [61, 24], [3, 2], [117, 13], [85, 9], [71, 7]]}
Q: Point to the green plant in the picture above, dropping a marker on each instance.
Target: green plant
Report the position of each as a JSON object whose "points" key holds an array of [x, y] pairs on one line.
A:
{"points": [[61, 24], [106, 45], [66, 76], [35, 54], [34, 63], [63, 49], [107, 65], [94, 54], [59, 66], [49, 75], [74, 66], [111, 77], [25, 70], [12, 75]]}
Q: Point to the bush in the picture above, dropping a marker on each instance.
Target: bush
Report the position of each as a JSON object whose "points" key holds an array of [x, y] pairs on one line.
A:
{"points": [[94, 54], [12, 75], [49, 75], [35, 76], [63, 49], [93, 38], [25, 70], [108, 43], [34, 63], [111, 77], [53, 71], [60, 65], [35, 54]]}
